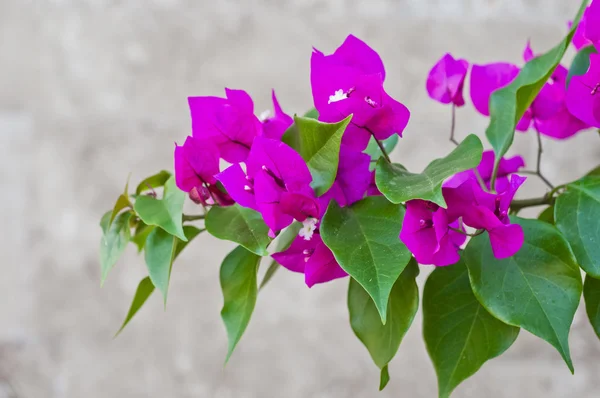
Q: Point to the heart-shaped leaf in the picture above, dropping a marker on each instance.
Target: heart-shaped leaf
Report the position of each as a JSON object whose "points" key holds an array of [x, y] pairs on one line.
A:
{"points": [[591, 295], [159, 254], [239, 285], [154, 181], [577, 212], [114, 241], [241, 225], [141, 234], [399, 185], [459, 333], [509, 104], [320, 148], [364, 240], [383, 341], [165, 213], [537, 289]]}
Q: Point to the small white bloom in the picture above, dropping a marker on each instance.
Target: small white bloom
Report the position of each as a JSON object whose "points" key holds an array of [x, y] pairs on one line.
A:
{"points": [[264, 115], [308, 228], [337, 96]]}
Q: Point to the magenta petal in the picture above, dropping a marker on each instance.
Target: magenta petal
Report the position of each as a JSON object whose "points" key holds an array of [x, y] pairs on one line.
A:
{"points": [[592, 23], [322, 266], [357, 54], [446, 80], [485, 79], [582, 101], [196, 163], [299, 206], [506, 240], [334, 193], [274, 127], [240, 100], [354, 176], [447, 253], [237, 186], [279, 159], [294, 258]]}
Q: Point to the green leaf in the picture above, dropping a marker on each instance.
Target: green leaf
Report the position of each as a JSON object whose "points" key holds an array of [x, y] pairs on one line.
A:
{"points": [[312, 114], [595, 172], [577, 212], [114, 241], [141, 234], [547, 215], [122, 202], [144, 290], [159, 254], [374, 151], [581, 63], [320, 148], [238, 282], [364, 240], [399, 185], [537, 289], [591, 295], [384, 378], [165, 213], [155, 181], [459, 333], [241, 225], [284, 240], [383, 341], [508, 104]]}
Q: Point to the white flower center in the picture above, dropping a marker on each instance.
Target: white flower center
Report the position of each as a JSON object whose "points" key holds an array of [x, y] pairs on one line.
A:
{"points": [[337, 96], [264, 115], [308, 228]]}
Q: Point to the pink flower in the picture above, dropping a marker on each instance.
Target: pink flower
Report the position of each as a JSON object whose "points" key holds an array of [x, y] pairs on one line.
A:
{"points": [[446, 80], [583, 94], [275, 126]]}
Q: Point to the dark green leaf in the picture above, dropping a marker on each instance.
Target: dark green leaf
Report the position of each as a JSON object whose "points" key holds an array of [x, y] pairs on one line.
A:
{"points": [[155, 181], [595, 172], [141, 233], [547, 215], [459, 333], [383, 341], [165, 213], [238, 281], [240, 225], [581, 63], [320, 148], [374, 151], [284, 240], [144, 290], [364, 240], [384, 378], [114, 241], [591, 295], [399, 185], [577, 214], [159, 254], [312, 114], [508, 104], [537, 289]]}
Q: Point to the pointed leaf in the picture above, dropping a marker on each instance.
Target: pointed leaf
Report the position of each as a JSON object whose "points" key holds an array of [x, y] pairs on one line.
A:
{"points": [[577, 212], [508, 104], [312, 114], [155, 181], [399, 185], [114, 241], [122, 202], [459, 333], [159, 254], [165, 213], [581, 63], [241, 225], [238, 281], [320, 148], [537, 289], [144, 290], [364, 240], [591, 295], [141, 234], [383, 341], [384, 378]]}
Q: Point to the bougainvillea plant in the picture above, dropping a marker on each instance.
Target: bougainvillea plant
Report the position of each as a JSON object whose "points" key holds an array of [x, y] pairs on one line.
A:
{"points": [[319, 195]]}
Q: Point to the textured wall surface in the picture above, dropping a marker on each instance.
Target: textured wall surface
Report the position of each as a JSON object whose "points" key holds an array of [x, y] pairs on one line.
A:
{"points": [[93, 89]]}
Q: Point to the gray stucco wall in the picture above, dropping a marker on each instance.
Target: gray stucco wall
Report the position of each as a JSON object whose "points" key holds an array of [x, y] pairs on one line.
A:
{"points": [[93, 89]]}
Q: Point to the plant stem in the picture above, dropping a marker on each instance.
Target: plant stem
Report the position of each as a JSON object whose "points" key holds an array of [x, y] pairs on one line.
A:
{"points": [[460, 231], [193, 217], [453, 126], [383, 151], [517, 205]]}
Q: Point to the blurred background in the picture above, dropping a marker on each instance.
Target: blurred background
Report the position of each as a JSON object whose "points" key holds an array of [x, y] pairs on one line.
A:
{"points": [[91, 90]]}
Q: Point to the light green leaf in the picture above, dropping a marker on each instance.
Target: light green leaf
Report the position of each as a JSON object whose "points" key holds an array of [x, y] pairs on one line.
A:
{"points": [[577, 215], [581, 63], [320, 148], [459, 333], [591, 295], [284, 240], [122, 202], [547, 215], [383, 341], [537, 289], [238, 282], [384, 378], [241, 225], [399, 185], [312, 114], [374, 151], [159, 254], [144, 290], [364, 240], [141, 234], [114, 241], [508, 104], [154, 181], [165, 213]]}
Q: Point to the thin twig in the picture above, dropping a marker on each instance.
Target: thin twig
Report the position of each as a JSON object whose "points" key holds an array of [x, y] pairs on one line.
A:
{"points": [[453, 126], [383, 151], [538, 168], [460, 231], [192, 217]]}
